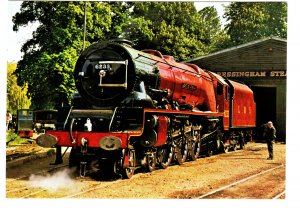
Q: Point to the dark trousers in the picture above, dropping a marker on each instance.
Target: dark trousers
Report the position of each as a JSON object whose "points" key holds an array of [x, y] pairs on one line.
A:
{"points": [[270, 148]]}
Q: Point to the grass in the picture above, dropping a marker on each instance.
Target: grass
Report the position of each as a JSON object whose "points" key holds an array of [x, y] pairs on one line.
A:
{"points": [[12, 139], [51, 152]]}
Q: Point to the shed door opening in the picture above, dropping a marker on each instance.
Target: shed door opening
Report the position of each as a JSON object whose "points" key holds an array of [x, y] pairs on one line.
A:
{"points": [[265, 98]]}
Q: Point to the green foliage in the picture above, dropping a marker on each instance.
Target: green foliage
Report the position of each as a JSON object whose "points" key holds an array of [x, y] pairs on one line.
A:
{"points": [[214, 36], [174, 28], [13, 139], [16, 95], [248, 21], [51, 152], [51, 78], [120, 13], [50, 56]]}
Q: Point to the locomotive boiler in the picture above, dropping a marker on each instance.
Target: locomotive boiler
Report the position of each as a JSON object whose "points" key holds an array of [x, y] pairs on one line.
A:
{"points": [[143, 110]]}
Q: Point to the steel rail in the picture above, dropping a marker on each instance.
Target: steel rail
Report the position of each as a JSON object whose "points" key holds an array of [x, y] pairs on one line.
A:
{"points": [[95, 187], [33, 193], [41, 172], [101, 185], [238, 182], [279, 195], [26, 176]]}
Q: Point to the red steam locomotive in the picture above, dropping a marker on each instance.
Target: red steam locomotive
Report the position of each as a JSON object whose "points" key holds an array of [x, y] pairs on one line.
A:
{"points": [[141, 109]]}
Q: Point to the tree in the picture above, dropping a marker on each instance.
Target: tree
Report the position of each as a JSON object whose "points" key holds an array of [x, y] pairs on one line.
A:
{"points": [[248, 21], [50, 56], [16, 96], [174, 28], [215, 37], [120, 13]]}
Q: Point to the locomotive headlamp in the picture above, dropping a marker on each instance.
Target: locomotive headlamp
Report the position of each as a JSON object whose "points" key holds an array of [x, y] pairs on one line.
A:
{"points": [[110, 143], [102, 74], [46, 140]]}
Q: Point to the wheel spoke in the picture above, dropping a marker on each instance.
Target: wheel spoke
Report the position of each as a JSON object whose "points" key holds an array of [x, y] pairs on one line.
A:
{"points": [[209, 150], [192, 150], [151, 162], [181, 149], [184, 149], [224, 148], [128, 172], [165, 156], [178, 155], [197, 148]]}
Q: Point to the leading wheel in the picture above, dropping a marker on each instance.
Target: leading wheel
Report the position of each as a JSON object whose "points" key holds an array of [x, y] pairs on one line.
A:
{"points": [[82, 169], [73, 159], [224, 148], [209, 149]]}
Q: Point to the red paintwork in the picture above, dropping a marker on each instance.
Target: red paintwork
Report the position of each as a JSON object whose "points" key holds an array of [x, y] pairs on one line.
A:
{"points": [[25, 133], [243, 106], [243, 112], [163, 123], [93, 138], [222, 99], [184, 112], [187, 83]]}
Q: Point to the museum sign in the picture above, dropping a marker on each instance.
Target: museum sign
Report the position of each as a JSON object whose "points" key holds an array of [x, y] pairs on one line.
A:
{"points": [[253, 74]]}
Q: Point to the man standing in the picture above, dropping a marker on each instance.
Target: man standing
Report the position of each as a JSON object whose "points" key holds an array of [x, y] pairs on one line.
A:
{"points": [[8, 120], [270, 135]]}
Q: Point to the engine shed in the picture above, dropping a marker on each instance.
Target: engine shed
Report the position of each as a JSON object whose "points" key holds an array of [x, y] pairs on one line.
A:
{"points": [[260, 64]]}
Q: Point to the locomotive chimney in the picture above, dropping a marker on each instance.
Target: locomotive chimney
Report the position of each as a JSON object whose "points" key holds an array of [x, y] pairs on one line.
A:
{"points": [[122, 41]]}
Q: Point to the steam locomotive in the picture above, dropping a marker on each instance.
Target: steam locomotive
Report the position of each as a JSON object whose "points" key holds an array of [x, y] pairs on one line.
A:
{"points": [[143, 110]]}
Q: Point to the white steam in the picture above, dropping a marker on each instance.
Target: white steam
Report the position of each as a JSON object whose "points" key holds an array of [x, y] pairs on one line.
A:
{"points": [[53, 182]]}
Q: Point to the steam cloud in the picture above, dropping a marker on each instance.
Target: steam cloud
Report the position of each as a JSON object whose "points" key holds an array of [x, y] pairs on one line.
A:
{"points": [[60, 179]]}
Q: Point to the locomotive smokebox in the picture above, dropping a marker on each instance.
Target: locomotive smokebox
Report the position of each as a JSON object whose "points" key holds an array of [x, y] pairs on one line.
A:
{"points": [[104, 74]]}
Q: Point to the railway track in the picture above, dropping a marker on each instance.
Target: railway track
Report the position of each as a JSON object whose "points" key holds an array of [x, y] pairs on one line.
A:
{"points": [[51, 169], [280, 195], [224, 191], [145, 184], [221, 192], [25, 188], [42, 192]]}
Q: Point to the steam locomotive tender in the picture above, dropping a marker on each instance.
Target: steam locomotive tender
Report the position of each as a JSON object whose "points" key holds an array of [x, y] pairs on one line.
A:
{"points": [[141, 109]]}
